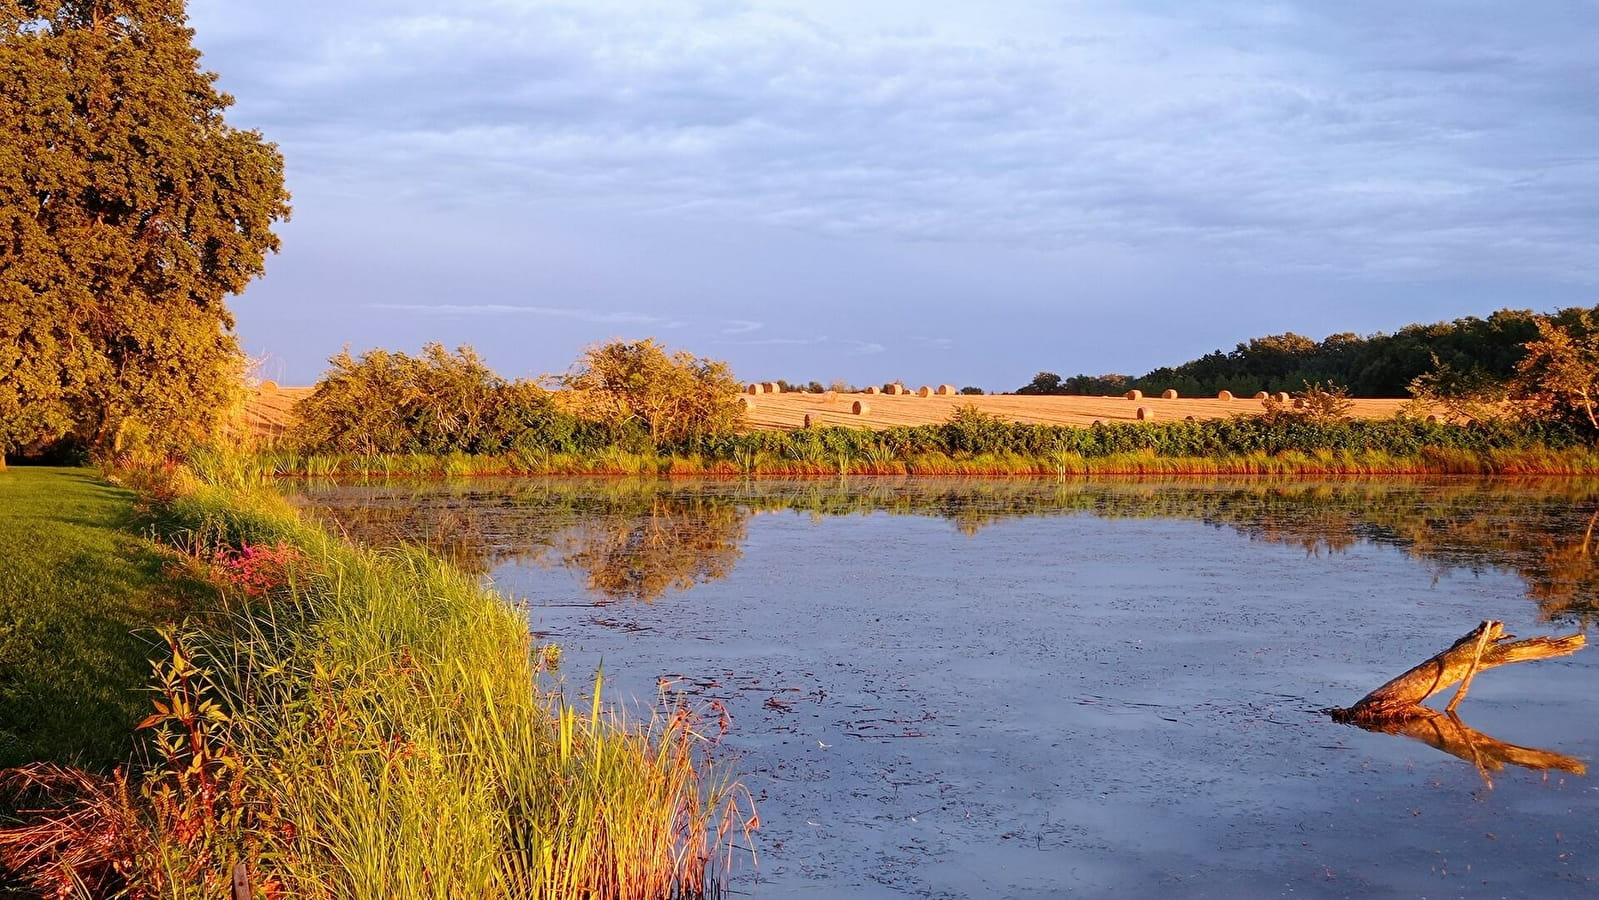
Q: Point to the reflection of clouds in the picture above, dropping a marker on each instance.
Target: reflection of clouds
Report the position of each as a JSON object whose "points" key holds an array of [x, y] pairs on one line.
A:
{"points": [[1313, 137]]}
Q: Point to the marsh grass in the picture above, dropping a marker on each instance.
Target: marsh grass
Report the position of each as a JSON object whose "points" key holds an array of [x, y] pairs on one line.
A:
{"points": [[374, 724], [1424, 460], [986, 446]]}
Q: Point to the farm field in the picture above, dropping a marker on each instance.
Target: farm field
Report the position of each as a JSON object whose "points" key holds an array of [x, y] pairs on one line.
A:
{"points": [[776, 412], [268, 411]]}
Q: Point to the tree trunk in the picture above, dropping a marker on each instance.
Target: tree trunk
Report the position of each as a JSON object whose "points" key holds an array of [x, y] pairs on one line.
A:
{"points": [[1485, 647]]}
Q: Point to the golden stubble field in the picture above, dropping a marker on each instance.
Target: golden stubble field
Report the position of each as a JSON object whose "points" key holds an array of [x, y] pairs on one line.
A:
{"points": [[786, 411], [269, 410]]}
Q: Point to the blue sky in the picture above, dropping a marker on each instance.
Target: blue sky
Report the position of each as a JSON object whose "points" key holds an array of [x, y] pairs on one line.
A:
{"points": [[927, 191]]}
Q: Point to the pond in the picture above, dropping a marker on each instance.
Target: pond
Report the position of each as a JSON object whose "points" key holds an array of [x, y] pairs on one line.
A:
{"points": [[1108, 688]]}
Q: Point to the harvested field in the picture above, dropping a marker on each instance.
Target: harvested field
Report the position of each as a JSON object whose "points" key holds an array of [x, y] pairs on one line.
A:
{"points": [[887, 411], [267, 412]]}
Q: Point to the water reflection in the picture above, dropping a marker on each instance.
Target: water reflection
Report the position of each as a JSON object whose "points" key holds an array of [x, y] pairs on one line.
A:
{"points": [[640, 554], [1445, 731], [637, 539]]}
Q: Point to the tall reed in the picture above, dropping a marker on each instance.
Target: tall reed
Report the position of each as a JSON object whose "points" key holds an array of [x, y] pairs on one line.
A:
{"points": [[374, 724]]}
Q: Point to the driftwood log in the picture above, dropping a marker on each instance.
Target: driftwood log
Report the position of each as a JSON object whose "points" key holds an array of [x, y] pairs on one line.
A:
{"points": [[1485, 647]]}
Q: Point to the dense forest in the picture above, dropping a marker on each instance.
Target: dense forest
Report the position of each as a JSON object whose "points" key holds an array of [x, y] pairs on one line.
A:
{"points": [[1378, 365]]}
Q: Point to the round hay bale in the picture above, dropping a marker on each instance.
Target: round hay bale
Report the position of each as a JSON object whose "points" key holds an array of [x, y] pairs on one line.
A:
{"points": [[830, 397], [752, 388], [1432, 420], [860, 408], [1299, 403], [895, 389], [1135, 395], [945, 390], [746, 402], [872, 390], [773, 387], [269, 387], [1282, 396], [1168, 394], [924, 391], [1261, 395], [1225, 396], [1145, 414], [1189, 419]]}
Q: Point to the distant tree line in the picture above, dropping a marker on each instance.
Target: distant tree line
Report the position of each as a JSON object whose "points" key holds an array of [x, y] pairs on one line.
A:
{"points": [[1466, 351]]}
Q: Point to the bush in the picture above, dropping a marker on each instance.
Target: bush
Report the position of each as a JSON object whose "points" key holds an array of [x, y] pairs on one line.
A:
{"points": [[439, 402]]}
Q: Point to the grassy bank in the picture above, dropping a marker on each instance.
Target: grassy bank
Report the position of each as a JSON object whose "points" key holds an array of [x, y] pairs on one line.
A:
{"points": [[367, 724], [80, 597], [978, 445]]}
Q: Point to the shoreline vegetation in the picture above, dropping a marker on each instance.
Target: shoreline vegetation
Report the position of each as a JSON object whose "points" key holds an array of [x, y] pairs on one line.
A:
{"points": [[363, 723], [976, 445], [637, 409]]}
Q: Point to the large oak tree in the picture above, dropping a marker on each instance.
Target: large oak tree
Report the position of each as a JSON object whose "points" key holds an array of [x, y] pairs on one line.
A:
{"points": [[129, 211]]}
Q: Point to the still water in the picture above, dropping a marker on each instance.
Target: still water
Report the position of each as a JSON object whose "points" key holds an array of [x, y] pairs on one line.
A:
{"points": [[1041, 689]]}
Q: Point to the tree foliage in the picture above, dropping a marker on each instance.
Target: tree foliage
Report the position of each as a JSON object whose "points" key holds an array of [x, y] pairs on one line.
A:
{"points": [[1379, 365], [671, 396], [129, 210], [1560, 373], [438, 402]]}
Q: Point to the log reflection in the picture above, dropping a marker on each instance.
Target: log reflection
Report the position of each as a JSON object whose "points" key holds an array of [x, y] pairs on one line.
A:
{"points": [[1446, 732]]}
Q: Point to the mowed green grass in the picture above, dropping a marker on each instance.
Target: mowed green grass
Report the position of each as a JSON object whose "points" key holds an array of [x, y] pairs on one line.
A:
{"points": [[81, 593]]}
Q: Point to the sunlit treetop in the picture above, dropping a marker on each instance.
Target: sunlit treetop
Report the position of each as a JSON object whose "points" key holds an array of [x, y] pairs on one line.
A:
{"points": [[129, 211]]}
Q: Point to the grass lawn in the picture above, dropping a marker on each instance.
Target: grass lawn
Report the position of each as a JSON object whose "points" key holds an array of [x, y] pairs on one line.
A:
{"points": [[80, 595]]}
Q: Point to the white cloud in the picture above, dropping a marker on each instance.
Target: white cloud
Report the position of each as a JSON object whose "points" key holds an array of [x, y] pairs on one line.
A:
{"points": [[499, 309], [1312, 136]]}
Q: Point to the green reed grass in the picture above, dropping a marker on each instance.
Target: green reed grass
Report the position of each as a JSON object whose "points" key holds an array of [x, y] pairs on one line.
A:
{"points": [[375, 727], [1245, 445]]}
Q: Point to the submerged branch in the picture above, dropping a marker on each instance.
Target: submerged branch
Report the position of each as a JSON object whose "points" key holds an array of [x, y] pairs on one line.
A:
{"points": [[1485, 647]]}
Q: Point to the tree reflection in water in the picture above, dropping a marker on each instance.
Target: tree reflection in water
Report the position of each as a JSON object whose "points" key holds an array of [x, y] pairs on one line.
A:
{"points": [[639, 538], [639, 556]]}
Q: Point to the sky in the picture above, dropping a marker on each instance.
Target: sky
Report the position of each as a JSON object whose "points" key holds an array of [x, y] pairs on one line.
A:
{"points": [[916, 190]]}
